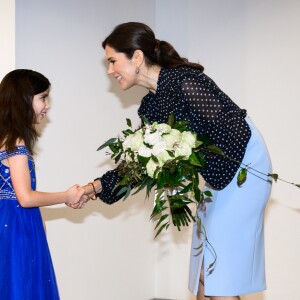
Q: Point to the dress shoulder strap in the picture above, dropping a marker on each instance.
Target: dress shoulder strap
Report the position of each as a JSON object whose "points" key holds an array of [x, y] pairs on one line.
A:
{"points": [[19, 150]]}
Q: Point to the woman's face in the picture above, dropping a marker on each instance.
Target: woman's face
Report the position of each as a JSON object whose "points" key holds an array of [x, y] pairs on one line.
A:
{"points": [[41, 105], [121, 68]]}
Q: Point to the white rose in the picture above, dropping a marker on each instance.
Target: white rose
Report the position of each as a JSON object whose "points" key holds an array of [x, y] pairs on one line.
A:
{"points": [[164, 157], [159, 148], [183, 149], [189, 138], [151, 167], [152, 138], [163, 128], [172, 138], [136, 141], [127, 142], [145, 151]]}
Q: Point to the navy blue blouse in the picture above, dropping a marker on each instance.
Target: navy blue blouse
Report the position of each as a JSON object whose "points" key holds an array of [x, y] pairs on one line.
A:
{"points": [[194, 97]]}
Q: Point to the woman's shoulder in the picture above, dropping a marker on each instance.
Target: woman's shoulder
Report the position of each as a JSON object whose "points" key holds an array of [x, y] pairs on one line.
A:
{"points": [[179, 74]]}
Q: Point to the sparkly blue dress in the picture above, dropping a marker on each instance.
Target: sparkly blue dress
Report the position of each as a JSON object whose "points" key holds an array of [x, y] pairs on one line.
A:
{"points": [[26, 270]]}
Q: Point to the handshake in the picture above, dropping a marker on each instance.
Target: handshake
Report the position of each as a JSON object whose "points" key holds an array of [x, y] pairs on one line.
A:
{"points": [[78, 196]]}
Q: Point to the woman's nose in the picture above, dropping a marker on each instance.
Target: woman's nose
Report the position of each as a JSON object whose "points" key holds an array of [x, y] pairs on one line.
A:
{"points": [[110, 69]]}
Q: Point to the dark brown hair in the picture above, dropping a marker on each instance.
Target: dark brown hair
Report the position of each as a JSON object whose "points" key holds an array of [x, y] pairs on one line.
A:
{"points": [[17, 116], [131, 36]]}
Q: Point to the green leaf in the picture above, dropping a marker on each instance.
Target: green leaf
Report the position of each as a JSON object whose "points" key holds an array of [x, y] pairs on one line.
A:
{"points": [[107, 143], [242, 176], [127, 132], [166, 225], [171, 153], [162, 218], [186, 189], [143, 159], [128, 121], [127, 193], [181, 125], [141, 185], [144, 120], [199, 249], [274, 176], [193, 159], [199, 224], [208, 193], [171, 119], [215, 149], [297, 185], [154, 158], [117, 157], [198, 143], [201, 158], [158, 208], [123, 190]]}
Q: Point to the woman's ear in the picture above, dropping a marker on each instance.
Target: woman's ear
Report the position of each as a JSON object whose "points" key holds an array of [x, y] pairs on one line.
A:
{"points": [[138, 57]]}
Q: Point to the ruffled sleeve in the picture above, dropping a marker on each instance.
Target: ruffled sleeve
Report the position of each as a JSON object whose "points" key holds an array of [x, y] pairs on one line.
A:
{"points": [[109, 193], [212, 112]]}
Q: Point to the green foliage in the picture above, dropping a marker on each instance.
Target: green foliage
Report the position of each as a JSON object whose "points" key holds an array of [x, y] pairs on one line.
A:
{"points": [[175, 181]]}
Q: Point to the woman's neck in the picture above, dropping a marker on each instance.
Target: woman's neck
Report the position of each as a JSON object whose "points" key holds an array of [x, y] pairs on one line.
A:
{"points": [[148, 77]]}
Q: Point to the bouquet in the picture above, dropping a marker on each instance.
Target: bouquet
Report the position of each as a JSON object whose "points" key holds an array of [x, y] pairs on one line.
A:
{"points": [[166, 157]]}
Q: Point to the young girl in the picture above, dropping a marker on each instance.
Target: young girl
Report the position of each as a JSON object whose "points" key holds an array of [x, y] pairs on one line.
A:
{"points": [[26, 270]]}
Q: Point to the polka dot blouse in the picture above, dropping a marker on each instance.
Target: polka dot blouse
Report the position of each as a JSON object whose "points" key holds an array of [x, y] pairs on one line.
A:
{"points": [[192, 96]]}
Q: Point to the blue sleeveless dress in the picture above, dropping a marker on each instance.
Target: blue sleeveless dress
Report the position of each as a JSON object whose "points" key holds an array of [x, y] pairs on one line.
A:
{"points": [[26, 270]]}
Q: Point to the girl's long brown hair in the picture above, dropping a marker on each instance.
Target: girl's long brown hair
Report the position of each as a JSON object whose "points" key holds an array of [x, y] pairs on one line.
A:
{"points": [[17, 116]]}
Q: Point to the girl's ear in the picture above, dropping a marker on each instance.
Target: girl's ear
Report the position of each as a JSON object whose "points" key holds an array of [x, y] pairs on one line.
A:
{"points": [[138, 57]]}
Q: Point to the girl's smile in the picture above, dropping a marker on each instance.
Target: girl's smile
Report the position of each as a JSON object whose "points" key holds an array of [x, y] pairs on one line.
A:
{"points": [[41, 105]]}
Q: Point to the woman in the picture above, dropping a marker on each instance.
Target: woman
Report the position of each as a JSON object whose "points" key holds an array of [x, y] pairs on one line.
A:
{"points": [[233, 221]]}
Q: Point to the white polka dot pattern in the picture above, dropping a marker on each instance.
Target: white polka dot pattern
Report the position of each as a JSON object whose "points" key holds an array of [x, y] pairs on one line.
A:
{"points": [[194, 97]]}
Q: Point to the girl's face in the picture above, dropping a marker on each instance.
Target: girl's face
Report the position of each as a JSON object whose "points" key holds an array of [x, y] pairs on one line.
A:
{"points": [[41, 105], [121, 68]]}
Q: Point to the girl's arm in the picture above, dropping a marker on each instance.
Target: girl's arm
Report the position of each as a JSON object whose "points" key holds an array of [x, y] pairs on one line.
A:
{"points": [[20, 176]]}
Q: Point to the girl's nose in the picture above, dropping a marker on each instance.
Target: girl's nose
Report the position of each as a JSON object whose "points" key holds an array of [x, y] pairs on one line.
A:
{"points": [[48, 104]]}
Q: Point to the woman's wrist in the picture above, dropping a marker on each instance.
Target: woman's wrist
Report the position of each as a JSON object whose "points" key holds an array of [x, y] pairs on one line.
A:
{"points": [[97, 185]]}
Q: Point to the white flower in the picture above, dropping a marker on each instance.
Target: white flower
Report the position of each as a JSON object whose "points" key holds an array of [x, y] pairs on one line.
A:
{"points": [[151, 167], [183, 149], [133, 141], [159, 148], [189, 138], [127, 142], [162, 128], [164, 157], [172, 138], [145, 151], [152, 138], [136, 141]]}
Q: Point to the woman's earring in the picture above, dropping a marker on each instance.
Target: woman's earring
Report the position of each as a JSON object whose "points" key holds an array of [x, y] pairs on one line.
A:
{"points": [[137, 70]]}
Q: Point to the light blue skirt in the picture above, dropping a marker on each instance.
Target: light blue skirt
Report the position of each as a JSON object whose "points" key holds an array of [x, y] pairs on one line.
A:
{"points": [[234, 225]]}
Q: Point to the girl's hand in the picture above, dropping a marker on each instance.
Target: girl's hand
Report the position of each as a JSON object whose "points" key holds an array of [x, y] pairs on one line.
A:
{"points": [[77, 197]]}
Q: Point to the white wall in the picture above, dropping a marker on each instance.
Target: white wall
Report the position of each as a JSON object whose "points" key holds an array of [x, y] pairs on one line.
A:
{"points": [[7, 36], [250, 48], [103, 251]]}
